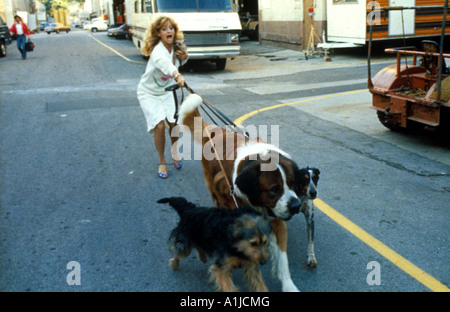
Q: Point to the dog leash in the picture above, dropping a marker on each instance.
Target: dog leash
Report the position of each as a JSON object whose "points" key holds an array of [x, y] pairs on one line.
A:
{"points": [[218, 114], [225, 120], [230, 187]]}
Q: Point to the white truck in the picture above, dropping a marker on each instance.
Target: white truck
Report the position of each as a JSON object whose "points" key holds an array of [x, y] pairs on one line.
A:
{"points": [[211, 28]]}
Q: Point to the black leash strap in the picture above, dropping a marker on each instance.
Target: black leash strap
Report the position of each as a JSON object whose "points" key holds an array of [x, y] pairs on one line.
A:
{"points": [[216, 112], [206, 104]]}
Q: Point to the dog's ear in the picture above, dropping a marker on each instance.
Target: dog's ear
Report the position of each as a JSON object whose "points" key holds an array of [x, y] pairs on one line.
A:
{"points": [[247, 180], [316, 175], [236, 229], [239, 227], [265, 226], [301, 180]]}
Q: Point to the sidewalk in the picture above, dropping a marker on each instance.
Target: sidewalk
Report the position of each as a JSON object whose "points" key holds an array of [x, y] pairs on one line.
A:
{"points": [[260, 61]]}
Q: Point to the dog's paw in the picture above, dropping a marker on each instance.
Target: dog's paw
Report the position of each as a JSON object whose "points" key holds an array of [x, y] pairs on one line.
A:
{"points": [[174, 263], [312, 262], [288, 286]]}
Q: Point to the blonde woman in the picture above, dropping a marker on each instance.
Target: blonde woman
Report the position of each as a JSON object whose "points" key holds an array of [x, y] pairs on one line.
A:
{"points": [[162, 71]]}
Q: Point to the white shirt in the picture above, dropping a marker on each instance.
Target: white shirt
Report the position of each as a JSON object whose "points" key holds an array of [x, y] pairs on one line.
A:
{"points": [[159, 71], [19, 29]]}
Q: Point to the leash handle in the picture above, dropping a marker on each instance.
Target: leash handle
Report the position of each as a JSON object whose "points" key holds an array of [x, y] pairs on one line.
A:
{"points": [[215, 111]]}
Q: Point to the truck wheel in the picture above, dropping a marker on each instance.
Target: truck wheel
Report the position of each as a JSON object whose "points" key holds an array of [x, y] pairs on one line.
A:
{"points": [[94, 29], [385, 122], [221, 63], [2, 49]]}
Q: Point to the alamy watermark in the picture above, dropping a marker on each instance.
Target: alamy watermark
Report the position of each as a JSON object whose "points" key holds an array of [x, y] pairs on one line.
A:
{"points": [[74, 276], [225, 143], [374, 276], [374, 16]]}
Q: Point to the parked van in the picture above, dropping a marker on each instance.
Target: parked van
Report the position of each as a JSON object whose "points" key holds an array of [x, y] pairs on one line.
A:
{"points": [[97, 26], [211, 28]]}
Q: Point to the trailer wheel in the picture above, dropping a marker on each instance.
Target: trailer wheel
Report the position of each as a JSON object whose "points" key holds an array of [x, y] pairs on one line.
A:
{"points": [[385, 122]]}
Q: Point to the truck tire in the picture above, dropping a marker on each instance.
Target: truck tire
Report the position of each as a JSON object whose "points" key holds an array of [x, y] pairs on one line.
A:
{"points": [[385, 122], [94, 29], [221, 63]]}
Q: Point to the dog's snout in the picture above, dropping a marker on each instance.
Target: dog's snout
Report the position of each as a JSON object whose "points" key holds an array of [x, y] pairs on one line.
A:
{"points": [[312, 193], [262, 261], [294, 205]]}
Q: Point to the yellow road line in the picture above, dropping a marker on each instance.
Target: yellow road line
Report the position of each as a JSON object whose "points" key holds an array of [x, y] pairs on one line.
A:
{"points": [[116, 52], [404, 264], [241, 119], [401, 262]]}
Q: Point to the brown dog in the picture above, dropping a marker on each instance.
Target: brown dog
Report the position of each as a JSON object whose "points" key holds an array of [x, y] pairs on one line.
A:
{"points": [[261, 175]]}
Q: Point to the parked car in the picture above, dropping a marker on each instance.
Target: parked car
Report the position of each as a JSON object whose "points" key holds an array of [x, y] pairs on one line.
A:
{"points": [[5, 37], [85, 25], [43, 25], [97, 26], [56, 28], [119, 32]]}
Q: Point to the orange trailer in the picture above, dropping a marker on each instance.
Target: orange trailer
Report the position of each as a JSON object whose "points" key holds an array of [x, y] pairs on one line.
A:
{"points": [[413, 96]]}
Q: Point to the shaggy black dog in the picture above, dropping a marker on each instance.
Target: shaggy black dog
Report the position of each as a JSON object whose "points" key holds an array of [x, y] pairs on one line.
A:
{"points": [[230, 238]]}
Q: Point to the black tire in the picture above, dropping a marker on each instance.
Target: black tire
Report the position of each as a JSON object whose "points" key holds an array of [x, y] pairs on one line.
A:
{"points": [[94, 29], [385, 122], [2, 49], [221, 63]]}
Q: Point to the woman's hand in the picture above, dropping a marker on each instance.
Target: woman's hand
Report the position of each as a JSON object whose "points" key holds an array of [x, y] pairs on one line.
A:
{"points": [[181, 54], [179, 78]]}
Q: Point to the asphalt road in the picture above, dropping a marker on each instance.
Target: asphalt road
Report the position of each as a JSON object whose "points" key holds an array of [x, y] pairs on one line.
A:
{"points": [[79, 183]]}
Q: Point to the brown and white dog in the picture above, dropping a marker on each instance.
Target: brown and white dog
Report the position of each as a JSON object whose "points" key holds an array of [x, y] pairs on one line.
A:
{"points": [[261, 175]]}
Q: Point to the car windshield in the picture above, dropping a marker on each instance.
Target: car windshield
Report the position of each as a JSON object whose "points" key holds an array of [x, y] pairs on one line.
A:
{"points": [[193, 5]]}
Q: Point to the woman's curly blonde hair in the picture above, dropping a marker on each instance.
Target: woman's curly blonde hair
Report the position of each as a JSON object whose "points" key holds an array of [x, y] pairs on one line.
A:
{"points": [[152, 38]]}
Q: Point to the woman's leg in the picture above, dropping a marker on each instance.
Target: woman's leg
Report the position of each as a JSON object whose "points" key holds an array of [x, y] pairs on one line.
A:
{"points": [[159, 137], [174, 148]]}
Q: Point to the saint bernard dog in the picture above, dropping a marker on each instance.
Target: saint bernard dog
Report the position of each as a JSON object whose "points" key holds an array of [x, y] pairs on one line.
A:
{"points": [[260, 175]]}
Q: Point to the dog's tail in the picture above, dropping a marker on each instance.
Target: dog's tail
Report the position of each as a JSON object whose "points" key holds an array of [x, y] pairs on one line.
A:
{"points": [[180, 204], [190, 116]]}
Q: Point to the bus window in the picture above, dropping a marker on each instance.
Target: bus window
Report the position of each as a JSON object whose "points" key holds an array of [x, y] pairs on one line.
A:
{"points": [[148, 6], [194, 5]]}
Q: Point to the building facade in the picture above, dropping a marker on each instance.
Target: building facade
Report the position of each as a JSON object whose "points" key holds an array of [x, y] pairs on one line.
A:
{"points": [[288, 23]]}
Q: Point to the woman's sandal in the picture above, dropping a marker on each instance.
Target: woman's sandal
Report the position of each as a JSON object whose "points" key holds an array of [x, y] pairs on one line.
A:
{"points": [[178, 165], [162, 175]]}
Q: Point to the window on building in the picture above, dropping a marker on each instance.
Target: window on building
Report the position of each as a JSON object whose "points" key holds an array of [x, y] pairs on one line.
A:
{"points": [[136, 6]]}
